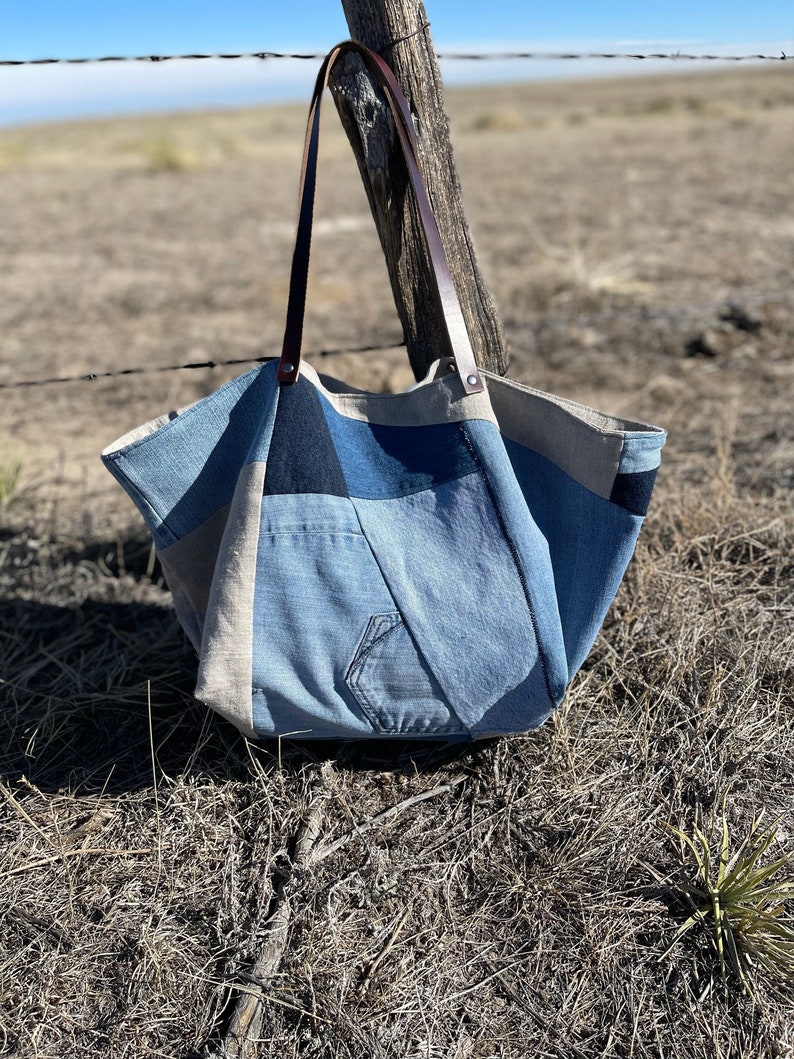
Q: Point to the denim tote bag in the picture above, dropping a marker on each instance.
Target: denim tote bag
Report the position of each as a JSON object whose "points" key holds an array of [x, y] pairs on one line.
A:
{"points": [[431, 564]]}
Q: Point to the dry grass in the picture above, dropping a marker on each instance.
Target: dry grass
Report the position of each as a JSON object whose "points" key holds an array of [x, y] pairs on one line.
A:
{"points": [[524, 906]]}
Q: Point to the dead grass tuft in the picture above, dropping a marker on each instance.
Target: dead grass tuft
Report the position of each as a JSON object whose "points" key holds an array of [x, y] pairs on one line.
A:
{"points": [[166, 155]]}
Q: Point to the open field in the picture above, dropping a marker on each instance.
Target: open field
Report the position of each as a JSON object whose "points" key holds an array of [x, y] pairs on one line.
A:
{"points": [[638, 237]]}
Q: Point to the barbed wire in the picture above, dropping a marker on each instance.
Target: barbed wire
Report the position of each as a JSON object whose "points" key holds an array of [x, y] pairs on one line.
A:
{"points": [[162, 58], [641, 313], [92, 376], [453, 56]]}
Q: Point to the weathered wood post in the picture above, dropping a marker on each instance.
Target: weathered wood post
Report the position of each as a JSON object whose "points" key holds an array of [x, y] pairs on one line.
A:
{"points": [[399, 31]]}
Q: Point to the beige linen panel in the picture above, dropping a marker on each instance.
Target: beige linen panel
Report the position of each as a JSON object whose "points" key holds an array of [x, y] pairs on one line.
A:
{"points": [[224, 677]]}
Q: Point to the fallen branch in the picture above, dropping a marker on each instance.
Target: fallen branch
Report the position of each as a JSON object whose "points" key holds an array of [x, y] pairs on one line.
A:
{"points": [[245, 1025]]}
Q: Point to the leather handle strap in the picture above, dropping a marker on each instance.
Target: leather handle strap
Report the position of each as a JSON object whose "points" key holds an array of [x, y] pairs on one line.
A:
{"points": [[453, 327]]}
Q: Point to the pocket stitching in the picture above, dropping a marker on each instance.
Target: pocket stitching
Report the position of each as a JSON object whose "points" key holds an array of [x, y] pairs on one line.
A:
{"points": [[356, 670]]}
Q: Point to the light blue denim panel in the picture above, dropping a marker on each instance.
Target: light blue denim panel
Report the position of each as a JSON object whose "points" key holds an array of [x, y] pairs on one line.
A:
{"points": [[519, 710], [331, 656], [455, 581], [184, 471], [591, 541], [641, 452]]}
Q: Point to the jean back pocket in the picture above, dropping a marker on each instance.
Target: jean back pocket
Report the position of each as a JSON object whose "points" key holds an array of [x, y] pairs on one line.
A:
{"points": [[393, 684]]}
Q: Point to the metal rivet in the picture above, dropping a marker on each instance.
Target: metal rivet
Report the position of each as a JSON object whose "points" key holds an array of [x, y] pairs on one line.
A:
{"points": [[471, 380], [288, 368]]}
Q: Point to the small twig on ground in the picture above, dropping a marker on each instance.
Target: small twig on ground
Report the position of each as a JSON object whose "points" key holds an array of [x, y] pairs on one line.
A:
{"points": [[375, 821], [12, 801], [64, 853], [384, 952]]}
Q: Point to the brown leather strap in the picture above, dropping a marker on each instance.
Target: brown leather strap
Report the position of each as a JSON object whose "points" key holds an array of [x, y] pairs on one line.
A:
{"points": [[453, 327]]}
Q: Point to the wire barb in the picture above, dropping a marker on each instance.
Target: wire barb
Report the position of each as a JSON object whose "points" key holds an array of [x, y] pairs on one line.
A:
{"points": [[407, 36]]}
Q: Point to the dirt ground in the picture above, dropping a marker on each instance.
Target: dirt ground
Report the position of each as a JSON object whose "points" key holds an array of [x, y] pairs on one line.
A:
{"points": [[638, 237]]}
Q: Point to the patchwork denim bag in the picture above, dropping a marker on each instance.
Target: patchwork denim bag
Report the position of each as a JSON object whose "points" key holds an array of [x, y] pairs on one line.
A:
{"points": [[432, 564]]}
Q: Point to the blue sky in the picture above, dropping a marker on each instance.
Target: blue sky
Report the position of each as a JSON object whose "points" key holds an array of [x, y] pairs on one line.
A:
{"points": [[37, 29]]}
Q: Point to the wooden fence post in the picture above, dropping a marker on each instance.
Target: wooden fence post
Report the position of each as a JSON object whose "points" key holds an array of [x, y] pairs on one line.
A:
{"points": [[399, 31]]}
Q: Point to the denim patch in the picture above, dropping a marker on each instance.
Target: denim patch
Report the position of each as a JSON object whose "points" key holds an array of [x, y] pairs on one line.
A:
{"points": [[179, 475], [455, 582], [330, 654], [633, 491], [302, 458], [530, 551], [641, 451], [382, 462], [590, 540]]}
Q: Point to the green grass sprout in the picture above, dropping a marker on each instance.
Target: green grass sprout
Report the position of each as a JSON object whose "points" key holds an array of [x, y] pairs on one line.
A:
{"points": [[9, 480], [741, 903]]}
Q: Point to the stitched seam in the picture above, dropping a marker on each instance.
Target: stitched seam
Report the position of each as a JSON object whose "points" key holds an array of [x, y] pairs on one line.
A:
{"points": [[364, 651], [356, 672], [393, 729], [516, 562], [305, 531]]}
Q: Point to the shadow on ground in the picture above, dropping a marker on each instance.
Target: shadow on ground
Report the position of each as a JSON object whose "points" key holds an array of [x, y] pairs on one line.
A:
{"points": [[90, 686]]}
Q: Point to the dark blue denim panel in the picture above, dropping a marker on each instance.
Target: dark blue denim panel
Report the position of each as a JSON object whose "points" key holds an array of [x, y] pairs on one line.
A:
{"points": [[383, 462], [590, 539], [633, 491], [302, 458]]}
